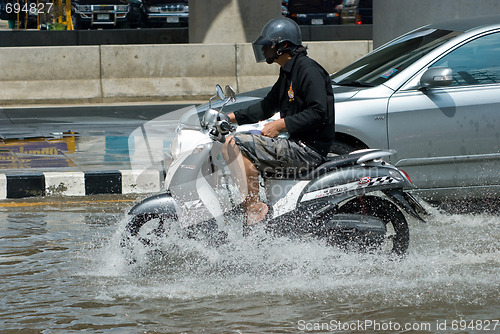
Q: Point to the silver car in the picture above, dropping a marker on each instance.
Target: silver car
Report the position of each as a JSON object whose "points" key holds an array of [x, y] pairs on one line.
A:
{"points": [[433, 95]]}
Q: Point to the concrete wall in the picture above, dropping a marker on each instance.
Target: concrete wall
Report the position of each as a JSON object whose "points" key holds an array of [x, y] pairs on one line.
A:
{"points": [[47, 73], [146, 72], [157, 70], [392, 18]]}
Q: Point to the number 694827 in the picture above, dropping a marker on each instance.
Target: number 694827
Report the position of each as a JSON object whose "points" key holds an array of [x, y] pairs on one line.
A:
{"points": [[31, 8]]}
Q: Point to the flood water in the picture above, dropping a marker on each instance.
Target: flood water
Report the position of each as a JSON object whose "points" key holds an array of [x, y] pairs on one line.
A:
{"points": [[62, 270]]}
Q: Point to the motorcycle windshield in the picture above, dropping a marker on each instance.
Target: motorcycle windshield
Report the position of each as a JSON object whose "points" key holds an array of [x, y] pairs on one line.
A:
{"points": [[200, 182], [150, 143], [192, 118]]}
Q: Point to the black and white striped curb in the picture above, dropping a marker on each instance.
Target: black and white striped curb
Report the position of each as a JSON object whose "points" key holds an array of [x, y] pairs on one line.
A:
{"points": [[80, 183]]}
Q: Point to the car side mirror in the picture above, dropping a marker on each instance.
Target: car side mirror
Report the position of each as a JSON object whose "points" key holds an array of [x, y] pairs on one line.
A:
{"points": [[436, 77]]}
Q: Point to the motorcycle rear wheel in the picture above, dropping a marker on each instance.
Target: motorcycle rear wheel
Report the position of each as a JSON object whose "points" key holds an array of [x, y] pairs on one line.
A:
{"points": [[397, 231]]}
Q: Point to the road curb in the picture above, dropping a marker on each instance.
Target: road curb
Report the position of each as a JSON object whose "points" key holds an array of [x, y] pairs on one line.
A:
{"points": [[80, 183]]}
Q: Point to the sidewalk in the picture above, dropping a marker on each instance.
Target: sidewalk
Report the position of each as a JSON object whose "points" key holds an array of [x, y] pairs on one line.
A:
{"points": [[85, 149]]}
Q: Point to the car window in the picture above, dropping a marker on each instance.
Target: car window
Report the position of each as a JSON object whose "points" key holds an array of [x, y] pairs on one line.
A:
{"points": [[389, 60], [475, 63]]}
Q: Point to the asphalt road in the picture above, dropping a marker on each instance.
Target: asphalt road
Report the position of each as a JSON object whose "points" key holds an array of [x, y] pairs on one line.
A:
{"points": [[87, 120]]}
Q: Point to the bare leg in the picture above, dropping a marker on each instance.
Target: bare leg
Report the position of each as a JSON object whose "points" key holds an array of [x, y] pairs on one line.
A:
{"points": [[255, 209], [247, 177]]}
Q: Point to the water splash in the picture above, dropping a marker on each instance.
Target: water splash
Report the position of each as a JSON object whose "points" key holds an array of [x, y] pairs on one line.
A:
{"points": [[452, 259]]}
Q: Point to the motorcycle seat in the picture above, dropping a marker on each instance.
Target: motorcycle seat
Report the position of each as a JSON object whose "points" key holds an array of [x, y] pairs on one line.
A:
{"points": [[336, 162], [331, 163], [348, 160]]}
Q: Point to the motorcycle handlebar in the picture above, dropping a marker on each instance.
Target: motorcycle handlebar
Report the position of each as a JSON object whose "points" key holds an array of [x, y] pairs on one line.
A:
{"points": [[220, 130], [225, 127]]}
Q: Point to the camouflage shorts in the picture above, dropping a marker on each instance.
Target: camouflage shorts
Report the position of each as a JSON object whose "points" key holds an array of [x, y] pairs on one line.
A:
{"points": [[278, 156]]}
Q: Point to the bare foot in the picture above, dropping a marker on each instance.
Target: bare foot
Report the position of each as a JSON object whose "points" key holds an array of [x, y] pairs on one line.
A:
{"points": [[256, 213]]}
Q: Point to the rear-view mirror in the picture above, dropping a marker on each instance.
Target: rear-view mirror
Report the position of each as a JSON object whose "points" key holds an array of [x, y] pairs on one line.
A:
{"points": [[436, 77]]}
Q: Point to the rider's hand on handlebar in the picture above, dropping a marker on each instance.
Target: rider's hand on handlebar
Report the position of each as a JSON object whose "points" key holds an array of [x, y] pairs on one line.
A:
{"points": [[274, 128], [232, 118]]}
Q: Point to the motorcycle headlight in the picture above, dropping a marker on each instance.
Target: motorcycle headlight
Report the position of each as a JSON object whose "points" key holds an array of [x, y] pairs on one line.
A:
{"points": [[186, 140], [176, 146]]}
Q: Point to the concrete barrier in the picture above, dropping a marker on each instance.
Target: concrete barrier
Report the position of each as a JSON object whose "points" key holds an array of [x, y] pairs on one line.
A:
{"points": [[131, 71], [50, 74], [80, 183], [146, 72]]}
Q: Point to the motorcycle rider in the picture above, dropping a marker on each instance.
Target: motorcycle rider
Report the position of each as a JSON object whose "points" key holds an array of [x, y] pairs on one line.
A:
{"points": [[304, 97]]}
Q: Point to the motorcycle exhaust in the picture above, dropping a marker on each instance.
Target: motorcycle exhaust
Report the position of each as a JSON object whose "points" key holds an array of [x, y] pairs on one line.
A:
{"points": [[349, 229]]}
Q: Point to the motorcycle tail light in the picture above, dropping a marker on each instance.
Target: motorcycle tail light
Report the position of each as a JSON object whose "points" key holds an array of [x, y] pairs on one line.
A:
{"points": [[406, 175]]}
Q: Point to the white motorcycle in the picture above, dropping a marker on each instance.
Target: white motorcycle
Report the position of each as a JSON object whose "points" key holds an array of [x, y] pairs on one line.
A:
{"points": [[355, 199]]}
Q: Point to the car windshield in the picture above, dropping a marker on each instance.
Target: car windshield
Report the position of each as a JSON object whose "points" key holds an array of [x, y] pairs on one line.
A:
{"points": [[385, 63]]}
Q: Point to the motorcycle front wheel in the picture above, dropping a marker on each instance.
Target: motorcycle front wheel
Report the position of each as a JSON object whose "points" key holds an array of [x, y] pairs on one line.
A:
{"points": [[146, 228], [397, 237]]}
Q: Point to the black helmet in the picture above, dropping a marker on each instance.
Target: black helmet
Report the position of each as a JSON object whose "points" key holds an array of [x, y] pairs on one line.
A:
{"points": [[275, 32]]}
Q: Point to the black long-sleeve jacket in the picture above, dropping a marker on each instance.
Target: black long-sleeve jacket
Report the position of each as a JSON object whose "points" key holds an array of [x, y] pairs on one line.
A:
{"points": [[303, 94]]}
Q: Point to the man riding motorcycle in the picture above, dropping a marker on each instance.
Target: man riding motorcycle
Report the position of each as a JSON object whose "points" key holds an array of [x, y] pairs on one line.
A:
{"points": [[304, 97]]}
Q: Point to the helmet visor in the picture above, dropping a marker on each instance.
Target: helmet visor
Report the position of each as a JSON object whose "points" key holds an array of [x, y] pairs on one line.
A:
{"points": [[261, 48]]}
